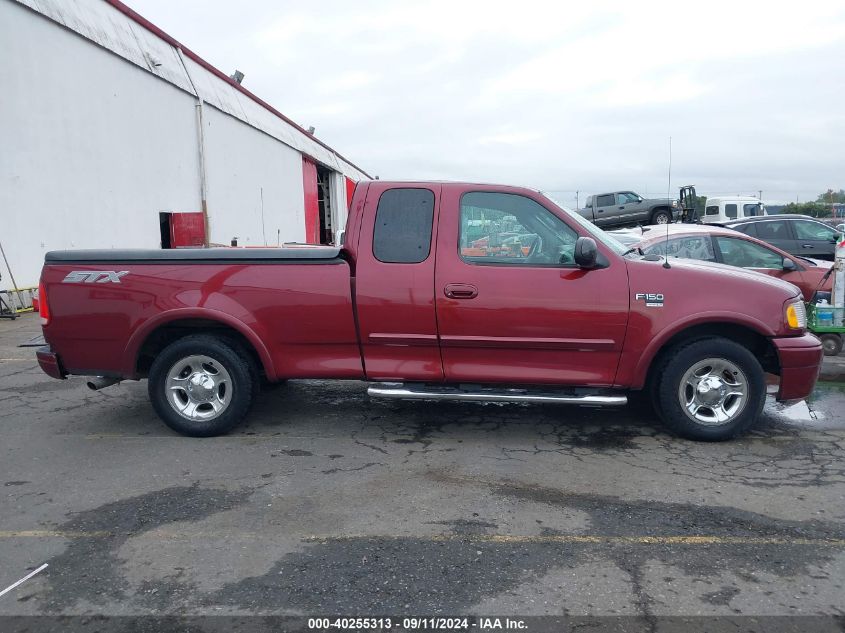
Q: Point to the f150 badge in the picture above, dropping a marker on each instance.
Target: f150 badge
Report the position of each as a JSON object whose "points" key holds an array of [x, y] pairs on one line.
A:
{"points": [[94, 276], [652, 300]]}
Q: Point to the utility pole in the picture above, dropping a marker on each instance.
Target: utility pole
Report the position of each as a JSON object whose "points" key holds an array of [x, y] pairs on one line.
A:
{"points": [[760, 194], [577, 204]]}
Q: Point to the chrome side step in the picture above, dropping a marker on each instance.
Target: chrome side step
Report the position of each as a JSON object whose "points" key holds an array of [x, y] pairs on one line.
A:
{"points": [[416, 391]]}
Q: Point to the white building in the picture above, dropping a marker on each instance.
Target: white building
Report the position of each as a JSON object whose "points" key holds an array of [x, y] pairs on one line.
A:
{"points": [[107, 125]]}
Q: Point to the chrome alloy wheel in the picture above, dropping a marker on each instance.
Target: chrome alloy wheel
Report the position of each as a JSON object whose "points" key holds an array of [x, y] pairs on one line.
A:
{"points": [[713, 391], [662, 218], [198, 388]]}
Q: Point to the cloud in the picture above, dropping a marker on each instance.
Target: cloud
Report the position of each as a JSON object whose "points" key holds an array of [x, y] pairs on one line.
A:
{"points": [[560, 96]]}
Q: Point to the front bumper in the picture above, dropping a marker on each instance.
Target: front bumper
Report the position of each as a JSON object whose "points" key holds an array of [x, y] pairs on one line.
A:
{"points": [[50, 363], [800, 362]]}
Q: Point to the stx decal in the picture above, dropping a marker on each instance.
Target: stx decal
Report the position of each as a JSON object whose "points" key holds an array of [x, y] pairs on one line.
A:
{"points": [[94, 276]]}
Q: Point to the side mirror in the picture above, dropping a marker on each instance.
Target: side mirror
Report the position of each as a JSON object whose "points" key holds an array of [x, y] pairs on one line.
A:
{"points": [[586, 252], [788, 264], [339, 237]]}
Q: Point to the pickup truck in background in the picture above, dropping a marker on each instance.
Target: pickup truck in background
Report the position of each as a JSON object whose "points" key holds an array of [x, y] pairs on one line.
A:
{"points": [[624, 208], [439, 291]]}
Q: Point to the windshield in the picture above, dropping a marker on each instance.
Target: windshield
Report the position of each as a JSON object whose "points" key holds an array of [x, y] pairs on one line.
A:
{"points": [[608, 240]]}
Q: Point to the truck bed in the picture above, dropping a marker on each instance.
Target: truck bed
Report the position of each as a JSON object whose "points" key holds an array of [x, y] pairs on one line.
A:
{"points": [[292, 304]]}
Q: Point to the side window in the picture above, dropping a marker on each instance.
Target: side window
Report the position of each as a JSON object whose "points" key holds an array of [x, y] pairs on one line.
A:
{"points": [[626, 197], [691, 247], [751, 210], [713, 210], [773, 230], [503, 228], [745, 254], [605, 200], [749, 228], [730, 210], [813, 231], [402, 233]]}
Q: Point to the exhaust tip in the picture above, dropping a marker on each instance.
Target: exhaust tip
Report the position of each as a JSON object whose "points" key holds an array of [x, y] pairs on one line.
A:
{"points": [[100, 382]]}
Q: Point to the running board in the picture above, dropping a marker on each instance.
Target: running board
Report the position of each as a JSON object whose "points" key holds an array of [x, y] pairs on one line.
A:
{"points": [[416, 391]]}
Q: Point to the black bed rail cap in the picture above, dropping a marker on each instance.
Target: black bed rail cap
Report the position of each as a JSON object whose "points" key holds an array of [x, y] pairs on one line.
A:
{"points": [[303, 253]]}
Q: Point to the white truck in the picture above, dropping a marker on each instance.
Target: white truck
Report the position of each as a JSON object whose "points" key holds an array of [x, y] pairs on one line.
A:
{"points": [[728, 208]]}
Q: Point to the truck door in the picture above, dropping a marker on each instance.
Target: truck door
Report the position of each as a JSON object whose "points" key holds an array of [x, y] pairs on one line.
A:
{"points": [[394, 282], [606, 209], [521, 311]]}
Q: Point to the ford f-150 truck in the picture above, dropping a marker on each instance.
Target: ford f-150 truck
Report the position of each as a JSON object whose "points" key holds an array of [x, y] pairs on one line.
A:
{"points": [[439, 291]]}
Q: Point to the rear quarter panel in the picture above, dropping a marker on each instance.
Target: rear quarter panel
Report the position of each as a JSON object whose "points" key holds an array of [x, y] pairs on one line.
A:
{"points": [[297, 316]]}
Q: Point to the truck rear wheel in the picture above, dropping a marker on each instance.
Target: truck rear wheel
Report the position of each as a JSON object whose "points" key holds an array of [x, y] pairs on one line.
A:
{"points": [[202, 385], [710, 389]]}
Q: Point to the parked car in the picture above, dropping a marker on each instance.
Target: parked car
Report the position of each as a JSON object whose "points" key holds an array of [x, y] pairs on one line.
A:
{"points": [[729, 208], [578, 318], [795, 234], [622, 208], [725, 246]]}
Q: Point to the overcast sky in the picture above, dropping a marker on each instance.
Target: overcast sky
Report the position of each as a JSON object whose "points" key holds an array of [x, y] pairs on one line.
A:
{"points": [[557, 96]]}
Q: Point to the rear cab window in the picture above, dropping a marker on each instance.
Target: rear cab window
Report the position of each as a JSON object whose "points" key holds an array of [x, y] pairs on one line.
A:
{"points": [[402, 233]]}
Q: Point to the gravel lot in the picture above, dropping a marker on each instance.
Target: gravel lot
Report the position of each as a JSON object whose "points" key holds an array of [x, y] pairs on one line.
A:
{"points": [[328, 503]]}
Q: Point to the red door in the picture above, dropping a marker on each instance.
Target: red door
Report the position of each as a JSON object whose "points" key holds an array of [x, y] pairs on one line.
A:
{"points": [[393, 282], [312, 207], [350, 190], [512, 307]]}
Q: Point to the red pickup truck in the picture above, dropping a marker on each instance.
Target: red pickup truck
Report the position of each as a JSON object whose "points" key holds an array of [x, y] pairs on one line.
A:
{"points": [[440, 291]]}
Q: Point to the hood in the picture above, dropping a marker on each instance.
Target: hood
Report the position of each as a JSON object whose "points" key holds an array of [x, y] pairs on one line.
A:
{"points": [[723, 270]]}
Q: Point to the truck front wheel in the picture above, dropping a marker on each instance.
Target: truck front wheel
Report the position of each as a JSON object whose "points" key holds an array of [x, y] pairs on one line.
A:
{"points": [[710, 389], [202, 385]]}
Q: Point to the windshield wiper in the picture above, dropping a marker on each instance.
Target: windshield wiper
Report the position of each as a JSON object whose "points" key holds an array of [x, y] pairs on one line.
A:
{"points": [[633, 249]]}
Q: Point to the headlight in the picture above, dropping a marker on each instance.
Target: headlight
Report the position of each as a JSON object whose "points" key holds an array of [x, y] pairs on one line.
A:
{"points": [[796, 315]]}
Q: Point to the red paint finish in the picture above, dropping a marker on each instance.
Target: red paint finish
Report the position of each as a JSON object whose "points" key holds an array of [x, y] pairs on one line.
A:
{"points": [[261, 301], [187, 230], [396, 316], [312, 206], [526, 324], [800, 361], [439, 320], [807, 275]]}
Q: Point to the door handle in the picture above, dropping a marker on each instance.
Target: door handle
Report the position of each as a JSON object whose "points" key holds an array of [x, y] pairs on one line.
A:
{"points": [[460, 291], [621, 208], [806, 246]]}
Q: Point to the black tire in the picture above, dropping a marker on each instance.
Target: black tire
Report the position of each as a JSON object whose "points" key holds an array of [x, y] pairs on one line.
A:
{"points": [[831, 344], [670, 373], [241, 382], [661, 214]]}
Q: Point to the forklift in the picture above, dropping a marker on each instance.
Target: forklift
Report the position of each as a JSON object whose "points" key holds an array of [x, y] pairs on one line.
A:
{"points": [[687, 199]]}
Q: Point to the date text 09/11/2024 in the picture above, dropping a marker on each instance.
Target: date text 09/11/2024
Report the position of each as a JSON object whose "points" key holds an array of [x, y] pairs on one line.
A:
{"points": [[415, 624]]}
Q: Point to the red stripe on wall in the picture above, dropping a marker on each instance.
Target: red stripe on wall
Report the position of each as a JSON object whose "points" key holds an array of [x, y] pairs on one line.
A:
{"points": [[350, 189], [312, 207]]}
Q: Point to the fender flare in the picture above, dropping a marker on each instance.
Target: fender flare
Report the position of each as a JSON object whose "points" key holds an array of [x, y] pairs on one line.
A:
{"points": [[141, 334], [702, 318]]}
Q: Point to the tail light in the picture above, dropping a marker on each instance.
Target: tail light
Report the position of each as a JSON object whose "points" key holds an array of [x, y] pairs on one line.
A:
{"points": [[43, 306]]}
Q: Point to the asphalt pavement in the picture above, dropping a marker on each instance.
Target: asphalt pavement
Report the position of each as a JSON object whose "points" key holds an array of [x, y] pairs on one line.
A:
{"points": [[328, 502]]}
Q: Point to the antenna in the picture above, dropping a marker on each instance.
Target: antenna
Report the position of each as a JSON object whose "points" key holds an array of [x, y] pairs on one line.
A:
{"points": [[668, 196]]}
